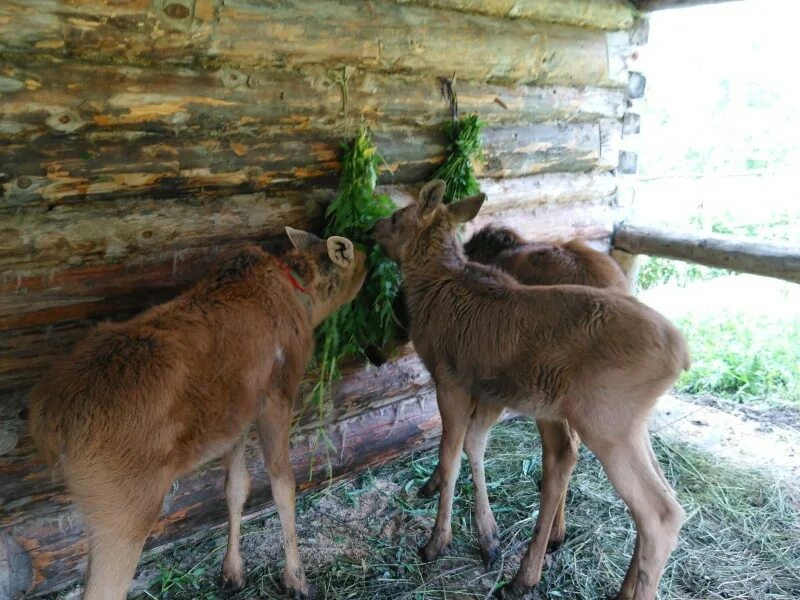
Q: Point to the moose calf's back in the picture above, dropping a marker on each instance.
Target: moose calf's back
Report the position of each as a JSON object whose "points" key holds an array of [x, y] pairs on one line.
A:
{"points": [[179, 381], [537, 263]]}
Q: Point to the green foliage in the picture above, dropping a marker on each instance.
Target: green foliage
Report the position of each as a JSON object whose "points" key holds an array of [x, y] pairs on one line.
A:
{"points": [[463, 146], [655, 271], [742, 358], [174, 582], [369, 319]]}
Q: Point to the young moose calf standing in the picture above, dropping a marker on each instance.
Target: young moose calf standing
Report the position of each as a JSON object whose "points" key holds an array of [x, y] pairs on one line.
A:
{"points": [[530, 263], [139, 403], [596, 360]]}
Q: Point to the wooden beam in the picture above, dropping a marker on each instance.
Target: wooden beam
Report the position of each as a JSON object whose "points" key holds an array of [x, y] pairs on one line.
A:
{"points": [[97, 102], [54, 170], [600, 14], [654, 5], [769, 259], [382, 36]]}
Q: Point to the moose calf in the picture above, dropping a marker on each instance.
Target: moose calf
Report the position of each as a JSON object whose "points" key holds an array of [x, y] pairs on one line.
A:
{"points": [[141, 402], [530, 263], [593, 360]]}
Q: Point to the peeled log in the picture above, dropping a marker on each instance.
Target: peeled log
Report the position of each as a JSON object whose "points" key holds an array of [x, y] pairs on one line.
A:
{"points": [[96, 101], [298, 33], [54, 170], [770, 259], [600, 14]]}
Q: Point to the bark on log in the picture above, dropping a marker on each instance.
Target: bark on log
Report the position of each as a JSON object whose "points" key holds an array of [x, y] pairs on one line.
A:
{"points": [[769, 259], [39, 517], [54, 170], [600, 14], [99, 102], [296, 33], [35, 242]]}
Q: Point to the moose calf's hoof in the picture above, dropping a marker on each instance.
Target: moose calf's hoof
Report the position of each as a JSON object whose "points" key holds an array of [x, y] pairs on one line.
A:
{"points": [[490, 551], [309, 594], [555, 545], [233, 578], [428, 490], [512, 592]]}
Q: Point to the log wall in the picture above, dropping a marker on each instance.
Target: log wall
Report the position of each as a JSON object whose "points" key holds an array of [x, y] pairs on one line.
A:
{"points": [[140, 139]]}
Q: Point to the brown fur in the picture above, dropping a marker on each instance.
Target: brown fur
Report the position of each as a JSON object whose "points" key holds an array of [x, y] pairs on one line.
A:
{"points": [[531, 263], [138, 403], [538, 263], [594, 359]]}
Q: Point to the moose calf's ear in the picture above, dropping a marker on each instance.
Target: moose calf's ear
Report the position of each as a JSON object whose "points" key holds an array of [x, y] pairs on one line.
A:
{"points": [[431, 196], [341, 251], [302, 240], [467, 209]]}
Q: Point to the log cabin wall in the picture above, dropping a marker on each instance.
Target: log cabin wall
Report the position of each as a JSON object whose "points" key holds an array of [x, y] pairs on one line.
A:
{"points": [[139, 139]]}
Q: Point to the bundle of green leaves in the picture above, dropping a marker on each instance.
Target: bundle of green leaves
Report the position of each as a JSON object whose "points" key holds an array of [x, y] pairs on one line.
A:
{"points": [[464, 145], [369, 320]]}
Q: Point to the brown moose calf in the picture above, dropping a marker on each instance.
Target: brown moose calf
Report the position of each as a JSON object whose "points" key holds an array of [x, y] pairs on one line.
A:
{"points": [[530, 263], [141, 402], [594, 360]]}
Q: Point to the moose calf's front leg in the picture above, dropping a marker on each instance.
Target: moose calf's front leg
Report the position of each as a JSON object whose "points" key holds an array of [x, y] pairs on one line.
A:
{"points": [[483, 417], [455, 406], [273, 428]]}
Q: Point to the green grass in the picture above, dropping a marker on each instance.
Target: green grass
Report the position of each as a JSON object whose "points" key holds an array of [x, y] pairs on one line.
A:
{"points": [[740, 540], [653, 271], [743, 358]]}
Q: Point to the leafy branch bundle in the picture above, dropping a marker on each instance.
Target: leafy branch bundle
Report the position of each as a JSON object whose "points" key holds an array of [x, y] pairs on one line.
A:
{"points": [[369, 320], [463, 146]]}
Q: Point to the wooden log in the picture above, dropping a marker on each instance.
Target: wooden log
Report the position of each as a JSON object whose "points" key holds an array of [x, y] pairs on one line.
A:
{"points": [[295, 34], [101, 101], [600, 14], [46, 525], [54, 170], [770, 259], [140, 231]]}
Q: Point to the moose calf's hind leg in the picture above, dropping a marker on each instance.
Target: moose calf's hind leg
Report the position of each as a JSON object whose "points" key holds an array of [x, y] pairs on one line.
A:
{"points": [[559, 455], [237, 486], [273, 428], [117, 530], [658, 516]]}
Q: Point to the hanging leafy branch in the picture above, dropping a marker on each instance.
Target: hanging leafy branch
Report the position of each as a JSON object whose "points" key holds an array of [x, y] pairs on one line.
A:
{"points": [[464, 145], [369, 320]]}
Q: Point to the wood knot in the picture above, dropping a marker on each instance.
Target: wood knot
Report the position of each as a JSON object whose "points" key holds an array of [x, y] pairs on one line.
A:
{"points": [[24, 183], [177, 14], [177, 11], [231, 78], [66, 121]]}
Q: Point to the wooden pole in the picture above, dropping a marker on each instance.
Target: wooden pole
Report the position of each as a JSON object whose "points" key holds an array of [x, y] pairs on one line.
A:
{"points": [[770, 259]]}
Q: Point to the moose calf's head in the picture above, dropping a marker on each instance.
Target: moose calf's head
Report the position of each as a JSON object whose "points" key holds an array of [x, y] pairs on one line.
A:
{"points": [[427, 228], [332, 270]]}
